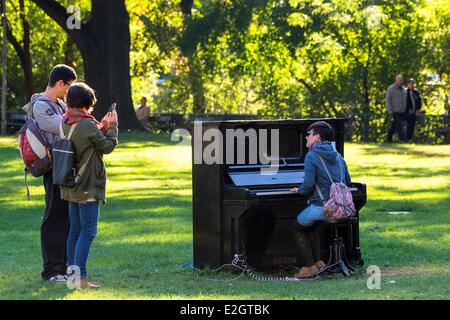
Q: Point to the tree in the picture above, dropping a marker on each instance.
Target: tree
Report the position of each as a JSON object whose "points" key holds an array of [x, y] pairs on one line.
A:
{"points": [[23, 50], [104, 43], [219, 18]]}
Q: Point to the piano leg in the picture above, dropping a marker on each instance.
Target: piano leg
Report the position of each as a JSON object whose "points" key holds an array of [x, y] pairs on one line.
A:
{"points": [[359, 259], [357, 249], [345, 260]]}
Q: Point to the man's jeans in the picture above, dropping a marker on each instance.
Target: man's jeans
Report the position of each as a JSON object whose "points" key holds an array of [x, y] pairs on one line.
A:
{"points": [[83, 229], [54, 230], [397, 126], [311, 214]]}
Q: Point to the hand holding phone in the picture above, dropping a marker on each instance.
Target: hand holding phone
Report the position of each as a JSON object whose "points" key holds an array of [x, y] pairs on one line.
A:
{"points": [[110, 120], [112, 108], [113, 112]]}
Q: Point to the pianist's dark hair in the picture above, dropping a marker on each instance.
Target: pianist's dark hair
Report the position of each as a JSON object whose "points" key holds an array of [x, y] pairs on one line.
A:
{"points": [[324, 129]]}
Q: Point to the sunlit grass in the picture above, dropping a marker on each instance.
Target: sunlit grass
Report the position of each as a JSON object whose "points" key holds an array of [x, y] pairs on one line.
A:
{"points": [[145, 230]]}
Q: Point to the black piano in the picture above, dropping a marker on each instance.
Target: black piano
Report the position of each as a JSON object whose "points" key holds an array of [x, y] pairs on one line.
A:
{"points": [[242, 205]]}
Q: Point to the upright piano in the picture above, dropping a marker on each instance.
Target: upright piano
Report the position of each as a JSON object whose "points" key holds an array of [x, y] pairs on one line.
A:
{"points": [[242, 205]]}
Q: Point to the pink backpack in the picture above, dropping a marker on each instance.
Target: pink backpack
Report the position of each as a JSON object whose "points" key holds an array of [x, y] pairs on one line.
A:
{"points": [[340, 205]]}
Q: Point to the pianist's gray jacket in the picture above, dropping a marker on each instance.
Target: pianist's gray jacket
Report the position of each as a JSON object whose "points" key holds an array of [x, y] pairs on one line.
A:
{"points": [[315, 172]]}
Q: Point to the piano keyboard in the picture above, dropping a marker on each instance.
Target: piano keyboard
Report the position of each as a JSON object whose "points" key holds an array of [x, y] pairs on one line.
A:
{"points": [[270, 192]]}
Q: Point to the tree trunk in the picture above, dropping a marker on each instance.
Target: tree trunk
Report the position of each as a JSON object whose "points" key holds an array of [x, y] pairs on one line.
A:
{"points": [[104, 43], [366, 107], [23, 51], [69, 52], [197, 88], [105, 54], [195, 68], [27, 63], [366, 98]]}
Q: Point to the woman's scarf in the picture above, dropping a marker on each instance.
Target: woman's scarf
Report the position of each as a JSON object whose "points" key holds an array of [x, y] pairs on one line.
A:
{"points": [[75, 115]]}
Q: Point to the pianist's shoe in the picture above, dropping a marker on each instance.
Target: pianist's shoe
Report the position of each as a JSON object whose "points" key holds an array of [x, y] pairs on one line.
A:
{"points": [[306, 272]]}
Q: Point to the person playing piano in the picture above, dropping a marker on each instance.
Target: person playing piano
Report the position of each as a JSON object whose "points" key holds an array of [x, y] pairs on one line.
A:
{"points": [[306, 235]]}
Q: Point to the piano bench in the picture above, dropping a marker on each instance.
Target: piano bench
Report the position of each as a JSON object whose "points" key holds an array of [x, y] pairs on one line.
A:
{"points": [[338, 258]]}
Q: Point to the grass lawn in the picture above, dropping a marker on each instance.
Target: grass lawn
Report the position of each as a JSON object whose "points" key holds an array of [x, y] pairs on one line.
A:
{"points": [[145, 231]]}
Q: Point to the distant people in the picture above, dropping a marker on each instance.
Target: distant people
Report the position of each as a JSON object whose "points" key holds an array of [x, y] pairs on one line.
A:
{"points": [[318, 140], [91, 140], [143, 111], [396, 106], [413, 105], [47, 109]]}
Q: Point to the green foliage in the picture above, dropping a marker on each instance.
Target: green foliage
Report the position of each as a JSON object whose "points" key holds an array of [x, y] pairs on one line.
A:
{"points": [[309, 58], [276, 58], [49, 46]]}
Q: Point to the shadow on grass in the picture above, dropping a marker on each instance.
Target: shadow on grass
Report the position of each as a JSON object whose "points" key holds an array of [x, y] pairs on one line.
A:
{"points": [[439, 192], [395, 172], [383, 149], [134, 141], [146, 236], [151, 175], [149, 269]]}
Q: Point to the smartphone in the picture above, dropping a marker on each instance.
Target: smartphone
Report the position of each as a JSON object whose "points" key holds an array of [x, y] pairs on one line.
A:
{"points": [[112, 108]]}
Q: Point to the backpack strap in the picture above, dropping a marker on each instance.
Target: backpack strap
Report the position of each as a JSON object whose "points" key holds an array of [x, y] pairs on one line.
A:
{"points": [[328, 172], [326, 169], [83, 167], [26, 184], [32, 117], [61, 132], [329, 176], [320, 193], [72, 128], [47, 103]]}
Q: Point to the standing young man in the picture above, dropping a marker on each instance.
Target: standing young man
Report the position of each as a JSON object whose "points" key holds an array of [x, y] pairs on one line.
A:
{"points": [[47, 109]]}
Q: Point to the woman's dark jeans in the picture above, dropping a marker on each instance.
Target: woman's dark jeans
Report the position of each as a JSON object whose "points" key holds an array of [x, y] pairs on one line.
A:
{"points": [[83, 229]]}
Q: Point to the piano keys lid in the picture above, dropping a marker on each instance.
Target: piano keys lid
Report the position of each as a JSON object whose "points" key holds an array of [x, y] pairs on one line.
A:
{"points": [[258, 178]]}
